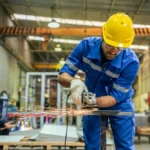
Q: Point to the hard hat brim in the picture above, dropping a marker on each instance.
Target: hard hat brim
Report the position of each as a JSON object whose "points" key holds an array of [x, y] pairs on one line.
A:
{"points": [[116, 44]]}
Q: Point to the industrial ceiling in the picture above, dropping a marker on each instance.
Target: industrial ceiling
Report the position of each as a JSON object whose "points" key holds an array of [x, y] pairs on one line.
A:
{"points": [[77, 10]]}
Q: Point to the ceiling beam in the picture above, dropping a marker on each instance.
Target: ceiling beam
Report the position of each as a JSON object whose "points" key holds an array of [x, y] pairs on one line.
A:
{"points": [[10, 13], [38, 24], [138, 9], [46, 66], [62, 31], [34, 46], [140, 6], [57, 3], [112, 5], [106, 12], [34, 14], [84, 5]]}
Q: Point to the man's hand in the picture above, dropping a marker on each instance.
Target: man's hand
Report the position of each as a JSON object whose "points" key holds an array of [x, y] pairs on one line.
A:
{"points": [[9, 125], [77, 87]]}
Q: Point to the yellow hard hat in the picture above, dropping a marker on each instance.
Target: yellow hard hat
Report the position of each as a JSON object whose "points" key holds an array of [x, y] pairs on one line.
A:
{"points": [[118, 31]]}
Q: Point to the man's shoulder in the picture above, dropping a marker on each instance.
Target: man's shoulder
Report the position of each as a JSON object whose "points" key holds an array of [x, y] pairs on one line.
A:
{"points": [[130, 55], [92, 39]]}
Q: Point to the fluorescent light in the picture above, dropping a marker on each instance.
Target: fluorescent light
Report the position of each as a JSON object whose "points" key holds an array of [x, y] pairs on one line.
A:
{"points": [[66, 41], [141, 47], [36, 38], [53, 24], [62, 61], [68, 21], [58, 20], [39, 79], [58, 49]]}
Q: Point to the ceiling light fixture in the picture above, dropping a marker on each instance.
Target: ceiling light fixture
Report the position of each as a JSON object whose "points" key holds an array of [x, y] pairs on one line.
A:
{"points": [[69, 21], [62, 61], [58, 48], [53, 24]]}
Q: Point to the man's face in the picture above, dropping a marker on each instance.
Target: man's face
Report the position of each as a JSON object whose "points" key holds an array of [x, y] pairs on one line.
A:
{"points": [[110, 52]]}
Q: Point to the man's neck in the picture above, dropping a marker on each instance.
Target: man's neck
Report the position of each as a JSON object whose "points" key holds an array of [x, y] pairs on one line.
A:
{"points": [[104, 60]]}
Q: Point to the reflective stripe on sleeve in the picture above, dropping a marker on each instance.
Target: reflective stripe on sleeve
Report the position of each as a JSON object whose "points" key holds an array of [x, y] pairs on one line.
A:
{"points": [[122, 89], [87, 61], [111, 74], [72, 66]]}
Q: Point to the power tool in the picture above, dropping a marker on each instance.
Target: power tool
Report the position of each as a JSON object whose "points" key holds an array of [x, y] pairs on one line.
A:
{"points": [[87, 100]]}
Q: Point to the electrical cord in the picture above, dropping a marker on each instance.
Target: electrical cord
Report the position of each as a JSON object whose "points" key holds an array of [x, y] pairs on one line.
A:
{"points": [[67, 119]]}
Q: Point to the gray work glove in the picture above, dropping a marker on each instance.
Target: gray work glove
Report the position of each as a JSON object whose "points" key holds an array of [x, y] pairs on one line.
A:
{"points": [[77, 87]]}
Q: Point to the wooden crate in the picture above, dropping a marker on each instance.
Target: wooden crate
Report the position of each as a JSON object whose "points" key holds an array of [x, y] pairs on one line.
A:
{"points": [[143, 130], [25, 144], [45, 145]]}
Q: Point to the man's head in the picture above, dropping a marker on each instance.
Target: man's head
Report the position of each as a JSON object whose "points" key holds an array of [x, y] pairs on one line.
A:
{"points": [[118, 33]]}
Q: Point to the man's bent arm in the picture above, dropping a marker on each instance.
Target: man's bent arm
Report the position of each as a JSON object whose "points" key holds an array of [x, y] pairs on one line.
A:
{"points": [[106, 101], [65, 79]]}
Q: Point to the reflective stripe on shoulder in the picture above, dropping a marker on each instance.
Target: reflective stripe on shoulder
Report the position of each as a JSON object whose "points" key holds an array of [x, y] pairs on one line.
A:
{"points": [[72, 66], [111, 74], [122, 89], [87, 61]]}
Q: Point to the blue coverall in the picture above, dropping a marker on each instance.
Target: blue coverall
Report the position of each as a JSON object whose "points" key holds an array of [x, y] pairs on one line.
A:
{"points": [[114, 78]]}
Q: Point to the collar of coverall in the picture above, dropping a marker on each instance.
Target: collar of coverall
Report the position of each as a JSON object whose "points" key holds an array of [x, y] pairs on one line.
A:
{"points": [[95, 53]]}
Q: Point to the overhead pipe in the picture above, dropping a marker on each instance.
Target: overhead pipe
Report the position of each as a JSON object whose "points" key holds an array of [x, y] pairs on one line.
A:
{"points": [[47, 66], [63, 31], [44, 44]]}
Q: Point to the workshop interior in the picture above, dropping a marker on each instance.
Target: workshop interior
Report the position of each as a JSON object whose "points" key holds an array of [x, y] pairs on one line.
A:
{"points": [[36, 38]]}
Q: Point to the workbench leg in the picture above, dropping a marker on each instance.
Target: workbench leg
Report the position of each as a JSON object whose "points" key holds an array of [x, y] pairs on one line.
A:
{"points": [[5, 147], [139, 137], [103, 138], [48, 147], [103, 133]]}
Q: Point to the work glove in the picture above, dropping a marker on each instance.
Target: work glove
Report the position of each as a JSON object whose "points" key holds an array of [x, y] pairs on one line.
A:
{"points": [[77, 87]]}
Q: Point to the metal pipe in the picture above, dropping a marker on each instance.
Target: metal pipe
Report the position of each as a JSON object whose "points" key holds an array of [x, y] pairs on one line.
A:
{"points": [[27, 91], [42, 98], [58, 100]]}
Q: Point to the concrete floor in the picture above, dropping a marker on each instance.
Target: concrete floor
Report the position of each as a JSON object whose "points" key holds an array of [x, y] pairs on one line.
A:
{"points": [[143, 144]]}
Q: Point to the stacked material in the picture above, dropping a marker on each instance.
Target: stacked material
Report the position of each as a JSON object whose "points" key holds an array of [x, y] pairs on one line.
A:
{"points": [[10, 138], [141, 120], [57, 133]]}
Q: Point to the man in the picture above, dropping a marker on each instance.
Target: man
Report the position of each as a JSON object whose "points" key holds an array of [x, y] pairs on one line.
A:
{"points": [[111, 68], [5, 126]]}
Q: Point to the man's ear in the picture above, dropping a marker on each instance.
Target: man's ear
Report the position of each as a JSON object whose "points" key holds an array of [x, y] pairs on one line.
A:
{"points": [[102, 35]]}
